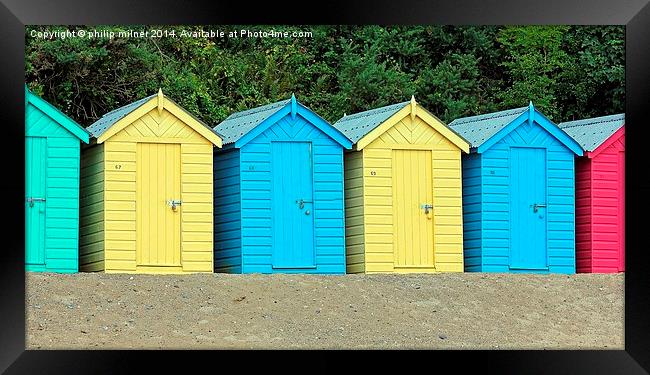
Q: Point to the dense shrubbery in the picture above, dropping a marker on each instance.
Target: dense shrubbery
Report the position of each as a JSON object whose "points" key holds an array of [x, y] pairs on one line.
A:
{"points": [[567, 71]]}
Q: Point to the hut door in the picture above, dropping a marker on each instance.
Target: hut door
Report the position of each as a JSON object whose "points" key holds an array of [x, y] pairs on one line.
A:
{"points": [[292, 205], [158, 218], [528, 208], [36, 166], [413, 209]]}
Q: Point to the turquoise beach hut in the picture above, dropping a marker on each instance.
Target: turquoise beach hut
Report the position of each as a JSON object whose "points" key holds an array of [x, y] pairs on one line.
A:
{"points": [[278, 192], [518, 193], [52, 146]]}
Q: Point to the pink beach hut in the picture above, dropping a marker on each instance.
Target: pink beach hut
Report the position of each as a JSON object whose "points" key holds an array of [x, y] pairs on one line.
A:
{"points": [[600, 193]]}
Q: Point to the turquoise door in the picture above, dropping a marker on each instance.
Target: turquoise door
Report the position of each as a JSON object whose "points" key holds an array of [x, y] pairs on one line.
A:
{"points": [[292, 205], [35, 168], [528, 209]]}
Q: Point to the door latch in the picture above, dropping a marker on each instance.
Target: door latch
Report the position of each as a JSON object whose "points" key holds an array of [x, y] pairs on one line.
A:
{"points": [[537, 206], [301, 203], [31, 201], [426, 208], [174, 203]]}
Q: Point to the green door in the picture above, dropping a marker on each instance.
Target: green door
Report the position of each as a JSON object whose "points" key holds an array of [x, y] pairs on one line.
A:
{"points": [[35, 168]]}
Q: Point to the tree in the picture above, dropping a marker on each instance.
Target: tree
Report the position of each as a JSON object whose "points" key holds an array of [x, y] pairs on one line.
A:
{"points": [[534, 60]]}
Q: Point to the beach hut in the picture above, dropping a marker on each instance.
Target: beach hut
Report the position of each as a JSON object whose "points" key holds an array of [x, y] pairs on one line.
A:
{"points": [[52, 142], [279, 192], [600, 193], [518, 193], [402, 191], [146, 191]]}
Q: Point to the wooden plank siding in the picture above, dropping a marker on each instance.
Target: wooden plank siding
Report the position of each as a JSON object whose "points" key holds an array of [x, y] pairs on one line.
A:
{"points": [[61, 193], [583, 214], [472, 212], [120, 205], [354, 212], [227, 212], [607, 227], [91, 232]]}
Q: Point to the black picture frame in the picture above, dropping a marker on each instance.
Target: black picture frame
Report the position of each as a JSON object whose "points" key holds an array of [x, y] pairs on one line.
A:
{"points": [[15, 14]]}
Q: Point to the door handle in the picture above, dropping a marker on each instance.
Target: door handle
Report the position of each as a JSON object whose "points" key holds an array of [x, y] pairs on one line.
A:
{"points": [[426, 208], [301, 203], [174, 203], [31, 201], [537, 206]]}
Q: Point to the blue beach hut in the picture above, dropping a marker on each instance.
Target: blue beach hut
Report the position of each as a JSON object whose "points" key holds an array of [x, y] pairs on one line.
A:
{"points": [[518, 193], [278, 192], [52, 149]]}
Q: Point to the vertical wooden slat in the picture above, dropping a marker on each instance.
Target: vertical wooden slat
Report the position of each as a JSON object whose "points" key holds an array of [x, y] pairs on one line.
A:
{"points": [[163, 195], [138, 202], [429, 223], [176, 230], [154, 201]]}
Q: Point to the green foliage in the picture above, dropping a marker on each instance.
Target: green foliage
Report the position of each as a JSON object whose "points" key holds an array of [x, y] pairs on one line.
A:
{"points": [[533, 59], [449, 87], [594, 82], [567, 71]]}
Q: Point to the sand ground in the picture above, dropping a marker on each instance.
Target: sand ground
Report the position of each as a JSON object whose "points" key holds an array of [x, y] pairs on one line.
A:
{"points": [[209, 311]]}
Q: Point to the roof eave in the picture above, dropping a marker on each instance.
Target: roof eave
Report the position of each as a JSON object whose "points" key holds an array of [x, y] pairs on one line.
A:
{"points": [[558, 133], [57, 116], [382, 127], [608, 142], [262, 126], [129, 118], [496, 137], [324, 126]]}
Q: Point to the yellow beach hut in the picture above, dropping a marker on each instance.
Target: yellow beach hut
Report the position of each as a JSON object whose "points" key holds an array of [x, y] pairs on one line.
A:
{"points": [[146, 191], [403, 198]]}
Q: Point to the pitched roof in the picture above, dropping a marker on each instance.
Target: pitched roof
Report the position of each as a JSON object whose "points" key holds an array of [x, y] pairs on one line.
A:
{"points": [[478, 129], [100, 126], [593, 132], [239, 124], [356, 126], [111, 118], [56, 115]]}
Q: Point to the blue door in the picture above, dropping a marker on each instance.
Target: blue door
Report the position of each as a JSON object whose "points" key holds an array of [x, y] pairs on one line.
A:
{"points": [[292, 205], [528, 209], [35, 167]]}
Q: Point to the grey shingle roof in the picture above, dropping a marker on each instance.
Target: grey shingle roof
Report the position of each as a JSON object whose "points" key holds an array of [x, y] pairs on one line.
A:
{"points": [[478, 129], [593, 132], [356, 126], [239, 124], [100, 126]]}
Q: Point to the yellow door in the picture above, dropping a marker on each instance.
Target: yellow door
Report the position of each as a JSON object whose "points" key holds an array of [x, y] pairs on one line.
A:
{"points": [[412, 211], [158, 220]]}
